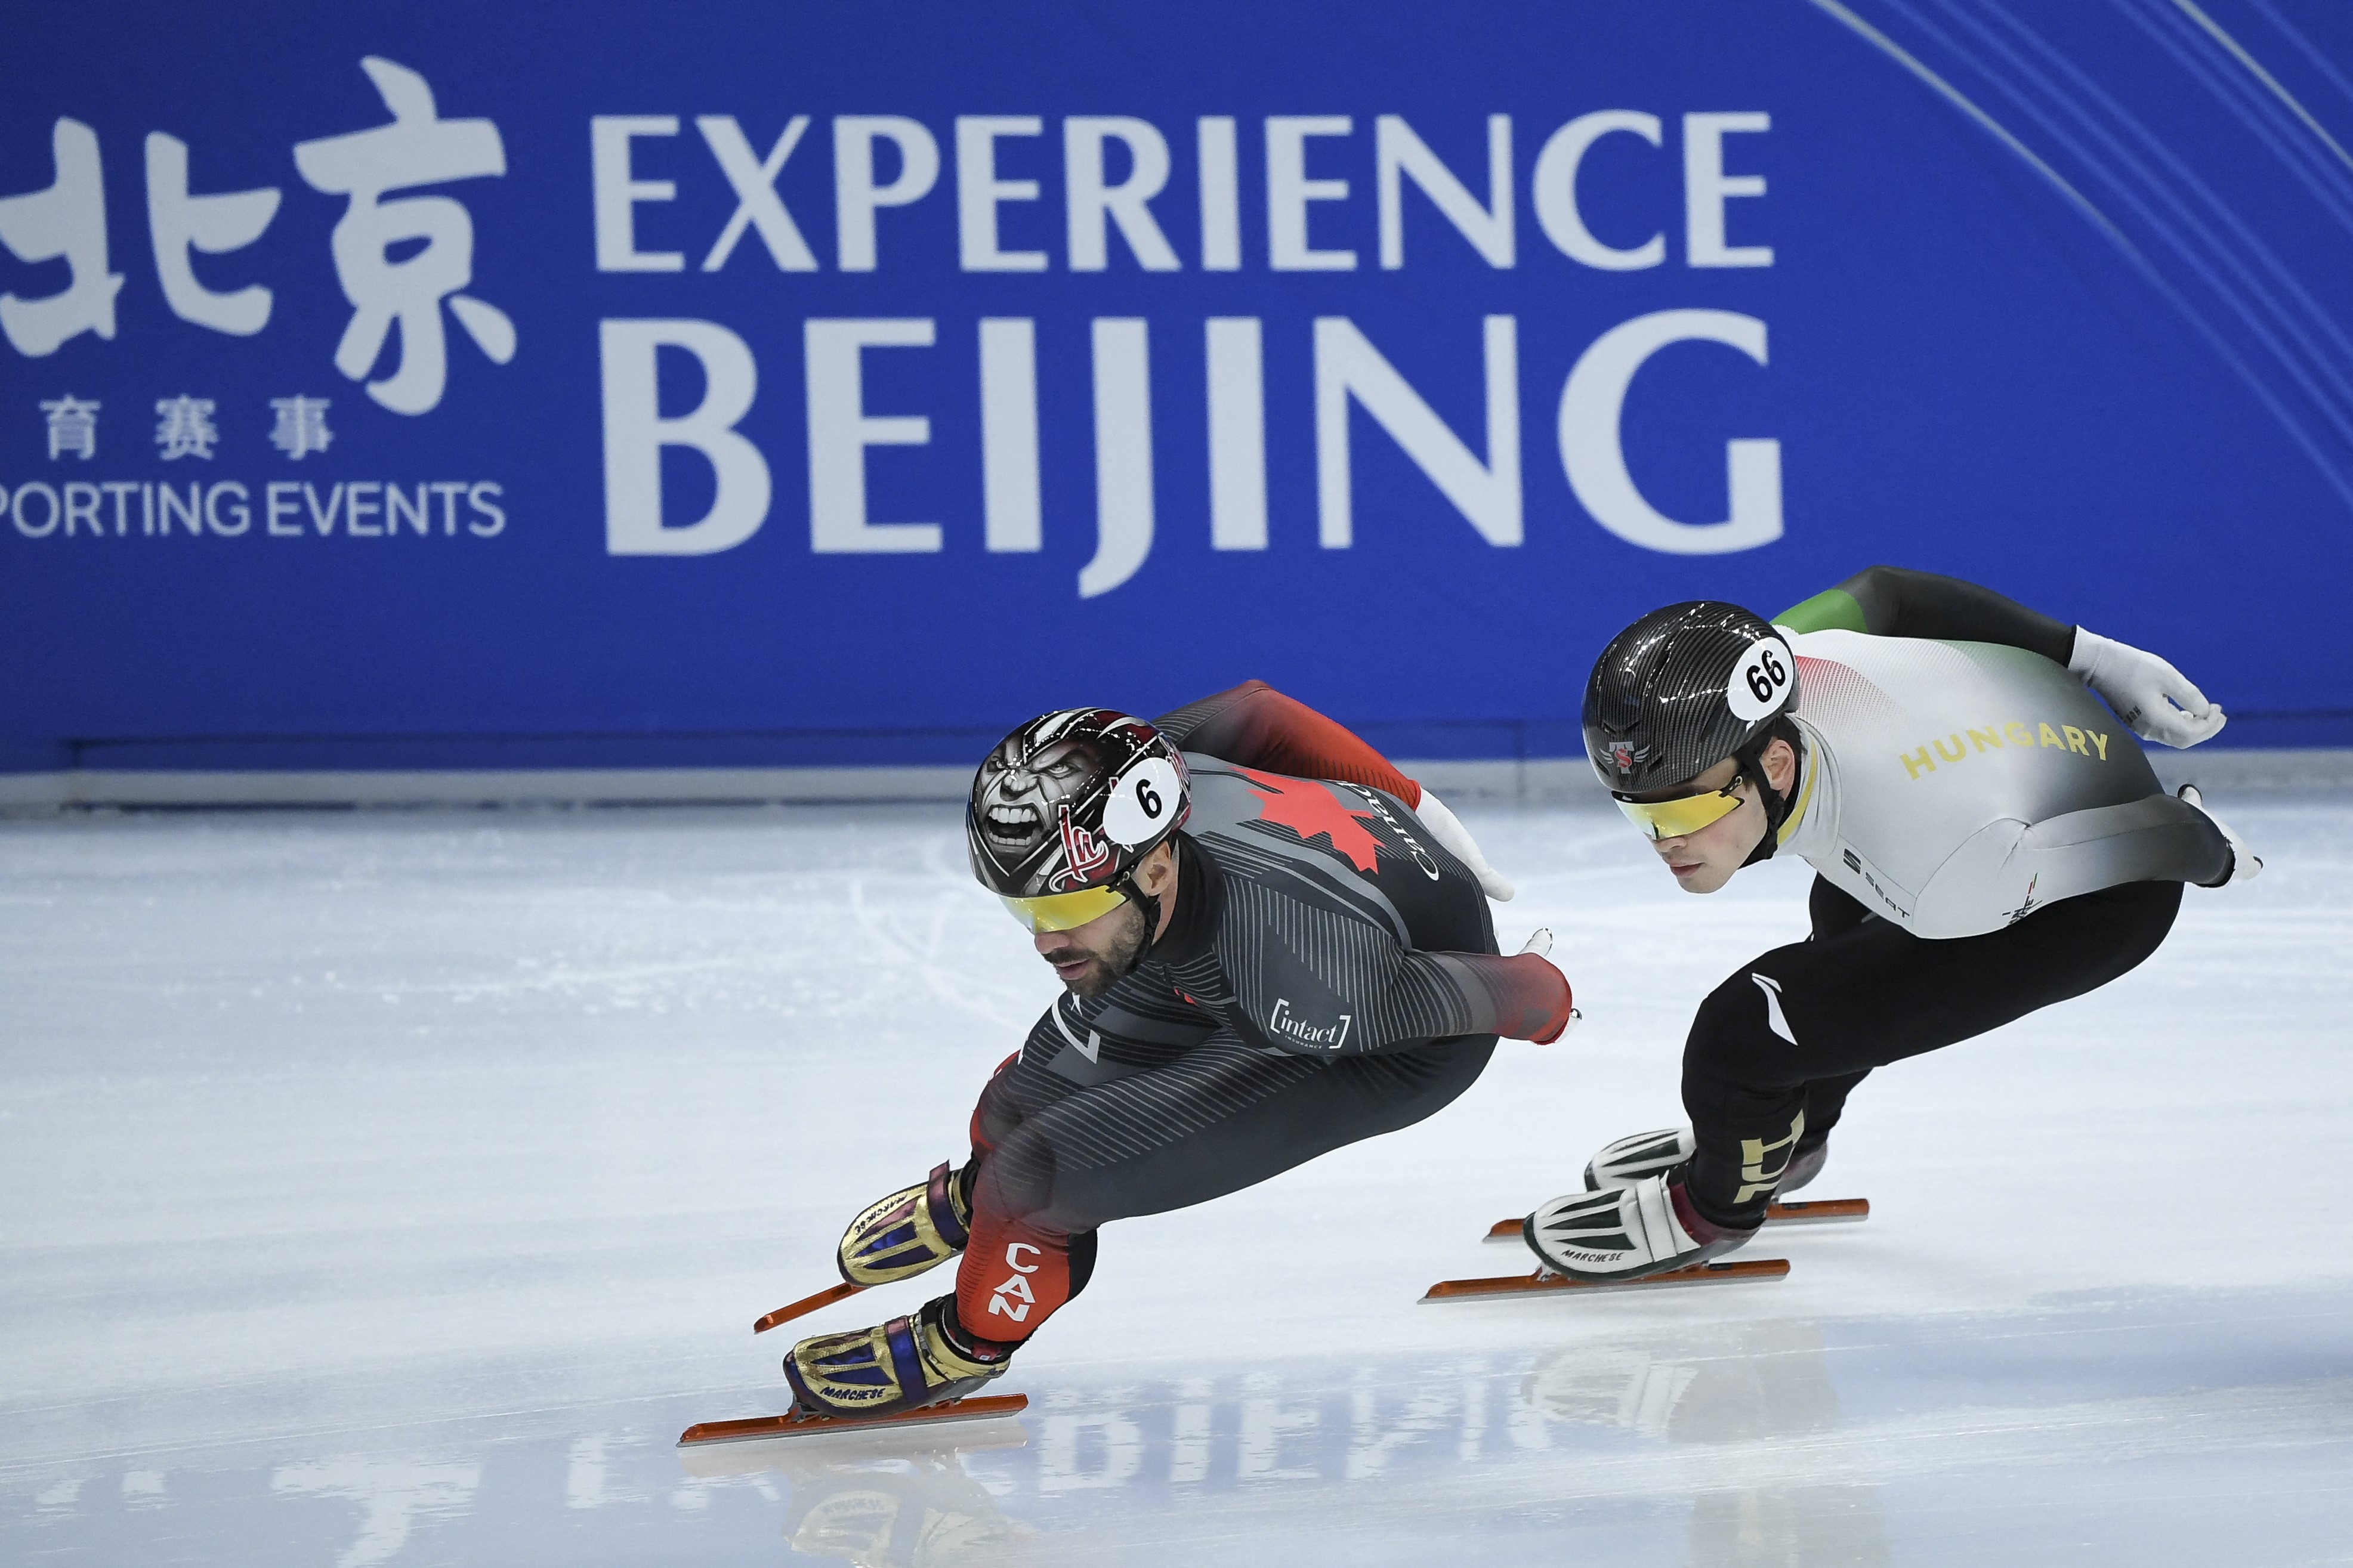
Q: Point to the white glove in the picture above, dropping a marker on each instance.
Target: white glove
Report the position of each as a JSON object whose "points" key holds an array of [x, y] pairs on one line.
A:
{"points": [[1539, 943], [2245, 864], [2157, 700], [1448, 831]]}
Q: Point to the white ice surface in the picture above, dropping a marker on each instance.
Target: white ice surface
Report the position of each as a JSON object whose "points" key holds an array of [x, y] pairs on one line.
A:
{"points": [[392, 1189]]}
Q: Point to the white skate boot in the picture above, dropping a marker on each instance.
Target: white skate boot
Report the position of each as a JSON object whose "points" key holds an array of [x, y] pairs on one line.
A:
{"points": [[1626, 1233], [1629, 1159]]}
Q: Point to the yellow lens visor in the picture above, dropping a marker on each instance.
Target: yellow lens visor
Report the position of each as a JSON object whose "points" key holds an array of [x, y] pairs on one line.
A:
{"points": [[1683, 814], [1065, 912]]}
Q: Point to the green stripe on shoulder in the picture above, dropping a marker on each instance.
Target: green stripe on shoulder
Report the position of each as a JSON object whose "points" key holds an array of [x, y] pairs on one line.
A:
{"points": [[1832, 610]]}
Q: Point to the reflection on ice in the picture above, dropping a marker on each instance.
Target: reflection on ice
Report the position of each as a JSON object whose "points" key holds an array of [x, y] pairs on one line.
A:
{"points": [[1129, 1462], [1720, 1441], [1768, 1382], [930, 1512], [892, 1504], [587, 1476], [1754, 1380], [1752, 1442], [391, 1495]]}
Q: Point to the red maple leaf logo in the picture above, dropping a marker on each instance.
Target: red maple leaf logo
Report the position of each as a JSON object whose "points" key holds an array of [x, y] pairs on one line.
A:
{"points": [[1312, 809]]}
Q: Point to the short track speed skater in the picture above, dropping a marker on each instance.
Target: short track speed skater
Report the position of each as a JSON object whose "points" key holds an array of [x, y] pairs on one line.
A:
{"points": [[1270, 944], [1988, 839]]}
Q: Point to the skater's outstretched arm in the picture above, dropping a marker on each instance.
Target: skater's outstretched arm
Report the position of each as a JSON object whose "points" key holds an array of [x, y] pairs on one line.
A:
{"points": [[1254, 726], [1895, 602], [2156, 700], [1325, 984], [1520, 996]]}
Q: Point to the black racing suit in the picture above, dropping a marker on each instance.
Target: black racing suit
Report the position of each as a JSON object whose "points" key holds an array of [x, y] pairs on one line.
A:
{"points": [[1329, 973]]}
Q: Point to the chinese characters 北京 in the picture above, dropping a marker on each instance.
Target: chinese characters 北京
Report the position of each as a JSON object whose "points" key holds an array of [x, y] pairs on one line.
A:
{"points": [[66, 221]]}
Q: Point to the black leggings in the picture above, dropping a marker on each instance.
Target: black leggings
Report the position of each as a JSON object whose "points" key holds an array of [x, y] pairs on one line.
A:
{"points": [[1055, 1158], [1777, 1048], [1224, 1117]]}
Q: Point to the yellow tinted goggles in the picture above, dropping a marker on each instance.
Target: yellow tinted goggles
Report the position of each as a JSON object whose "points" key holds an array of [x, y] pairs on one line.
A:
{"points": [[1683, 814], [1065, 912]]}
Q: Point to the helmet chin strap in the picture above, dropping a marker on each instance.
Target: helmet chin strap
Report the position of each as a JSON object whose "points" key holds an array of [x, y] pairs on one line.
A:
{"points": [[1775, 802], [1150, 907], [1149, 903]]}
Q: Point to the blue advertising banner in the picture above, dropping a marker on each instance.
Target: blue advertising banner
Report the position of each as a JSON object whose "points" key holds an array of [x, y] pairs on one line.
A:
{"points": [[431, 385]]}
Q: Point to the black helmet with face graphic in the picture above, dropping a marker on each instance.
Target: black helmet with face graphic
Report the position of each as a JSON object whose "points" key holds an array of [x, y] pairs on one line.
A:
{"points": [[1066, 805]]}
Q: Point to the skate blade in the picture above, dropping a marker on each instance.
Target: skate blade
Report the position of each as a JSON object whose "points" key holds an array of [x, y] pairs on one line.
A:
{"points": [[1543, 1282], [759, 1427], [1821, 1211], [806, 1305]]}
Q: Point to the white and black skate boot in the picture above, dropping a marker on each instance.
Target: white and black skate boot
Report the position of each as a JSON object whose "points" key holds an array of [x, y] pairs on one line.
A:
{"points": [[1629, 1159], [1627, 1233], [2245, 865]]}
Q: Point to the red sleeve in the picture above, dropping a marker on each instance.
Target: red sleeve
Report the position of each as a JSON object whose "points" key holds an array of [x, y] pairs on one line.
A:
{"points": [[1528, 997], [1255, 726]]}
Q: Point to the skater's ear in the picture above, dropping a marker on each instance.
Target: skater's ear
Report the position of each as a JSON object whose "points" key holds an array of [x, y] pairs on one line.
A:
{"points": [[1779, 761], [1157, 873]]}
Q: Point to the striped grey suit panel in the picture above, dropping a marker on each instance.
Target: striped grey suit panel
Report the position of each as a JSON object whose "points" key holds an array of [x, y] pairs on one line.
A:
{"points": [[1105, 1123], [1319, 966], [1136, 1026]]}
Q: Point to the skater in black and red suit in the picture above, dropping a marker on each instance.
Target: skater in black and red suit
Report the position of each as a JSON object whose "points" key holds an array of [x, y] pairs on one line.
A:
{"points": [[1272, 944]]}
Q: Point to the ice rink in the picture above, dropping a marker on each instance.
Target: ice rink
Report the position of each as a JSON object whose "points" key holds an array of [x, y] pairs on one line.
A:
{"points": [[392, 1188]]}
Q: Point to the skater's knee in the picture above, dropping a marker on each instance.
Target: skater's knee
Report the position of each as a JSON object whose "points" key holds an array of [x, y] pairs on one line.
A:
{"points": [[999, 1110], [993, 1121], [1735, 1063], [1734, 1038], [1016, 1181]]}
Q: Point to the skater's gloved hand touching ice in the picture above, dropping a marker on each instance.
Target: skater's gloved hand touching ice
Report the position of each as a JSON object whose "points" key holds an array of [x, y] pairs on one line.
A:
{"points": [[2157, 700], [1564, 1017]]}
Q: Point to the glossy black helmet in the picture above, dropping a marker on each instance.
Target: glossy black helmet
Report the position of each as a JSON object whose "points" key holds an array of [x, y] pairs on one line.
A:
{"points": [[1680, 690]]}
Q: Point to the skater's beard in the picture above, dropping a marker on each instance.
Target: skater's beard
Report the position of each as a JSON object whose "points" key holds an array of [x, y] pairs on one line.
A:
{"points": [[1120, 950]]}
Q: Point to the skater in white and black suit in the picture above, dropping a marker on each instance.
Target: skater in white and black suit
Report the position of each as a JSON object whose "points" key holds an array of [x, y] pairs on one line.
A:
{"points": [[1272, 944], [1988, 841]]}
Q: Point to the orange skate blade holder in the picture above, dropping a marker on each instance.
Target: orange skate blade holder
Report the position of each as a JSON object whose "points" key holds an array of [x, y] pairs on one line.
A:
{"points": [[1544, 1282], [1821, 1211], [806, 1305], [758, 1428]]}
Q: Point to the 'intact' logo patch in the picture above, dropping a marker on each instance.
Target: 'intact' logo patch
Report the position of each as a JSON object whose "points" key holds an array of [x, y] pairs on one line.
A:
{"points": [[1285, 1024]]}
